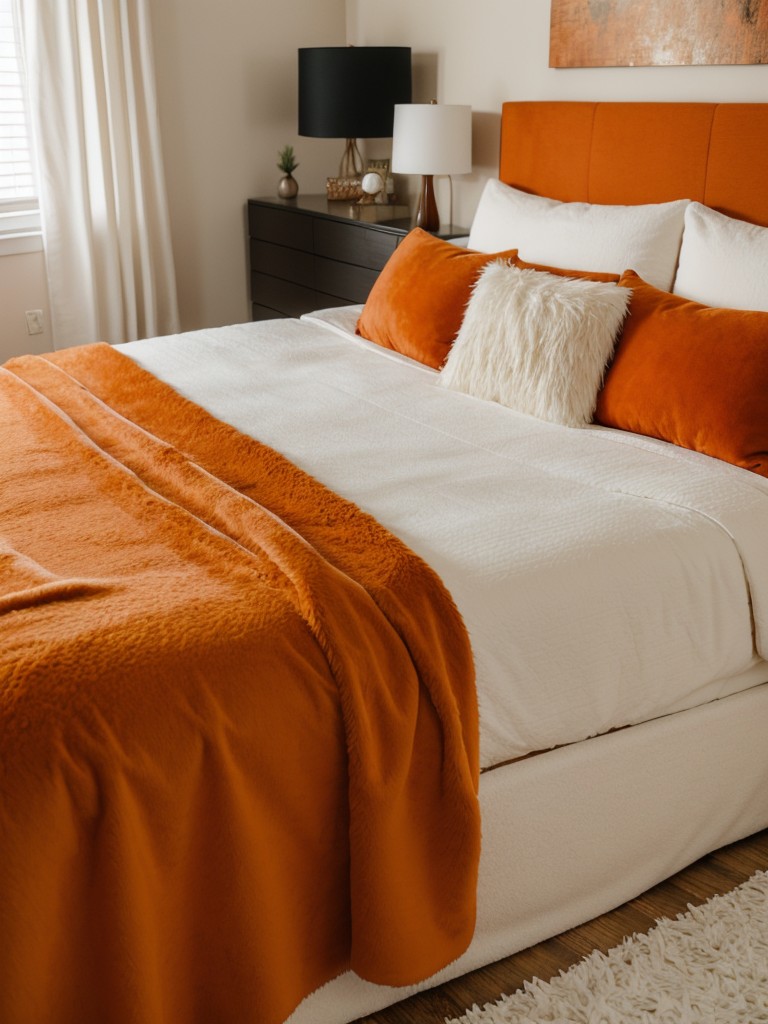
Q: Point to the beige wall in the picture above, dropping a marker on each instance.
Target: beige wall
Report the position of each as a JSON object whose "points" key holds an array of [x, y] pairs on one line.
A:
{"points": [[22, 287], [488, 51], [226, 80], [226, 75]]}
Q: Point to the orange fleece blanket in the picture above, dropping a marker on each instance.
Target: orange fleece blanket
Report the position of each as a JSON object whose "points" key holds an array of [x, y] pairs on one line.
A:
{"points": [[238, 721]]}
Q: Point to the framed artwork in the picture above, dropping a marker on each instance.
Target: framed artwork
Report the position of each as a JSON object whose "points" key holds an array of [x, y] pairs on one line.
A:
{"points": [[629, 33]]}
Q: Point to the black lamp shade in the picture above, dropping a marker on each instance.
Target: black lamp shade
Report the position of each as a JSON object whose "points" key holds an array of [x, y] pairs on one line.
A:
{"points": [[350, 92]]}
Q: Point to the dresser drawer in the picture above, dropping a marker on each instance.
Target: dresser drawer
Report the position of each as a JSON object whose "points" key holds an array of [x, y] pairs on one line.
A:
{"points": [[265, 313], [343, 279], [285, 296], [289, 299], [353, 243], [280, 261], [283, 227]]}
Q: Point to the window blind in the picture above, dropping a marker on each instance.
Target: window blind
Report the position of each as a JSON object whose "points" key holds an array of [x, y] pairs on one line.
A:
{"points": [[16, 176], [19, 211]]}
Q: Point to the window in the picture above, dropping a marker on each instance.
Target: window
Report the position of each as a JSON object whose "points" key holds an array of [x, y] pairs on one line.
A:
{"points": [[19, 216]]}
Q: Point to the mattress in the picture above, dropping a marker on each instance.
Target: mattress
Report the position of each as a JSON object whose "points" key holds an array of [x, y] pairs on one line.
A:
{"points": [[574, 832], [605, 579]]}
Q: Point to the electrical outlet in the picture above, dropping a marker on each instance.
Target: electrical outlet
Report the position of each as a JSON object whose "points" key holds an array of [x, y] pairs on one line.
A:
{"points": [[35, 321]]}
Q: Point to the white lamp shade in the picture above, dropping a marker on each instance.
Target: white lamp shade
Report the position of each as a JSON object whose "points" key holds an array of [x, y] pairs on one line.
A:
{"points": [[432, 138]]}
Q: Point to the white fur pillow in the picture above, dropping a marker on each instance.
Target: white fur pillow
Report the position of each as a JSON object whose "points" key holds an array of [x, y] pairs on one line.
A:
{"points": [[536, 342], [581, 236]]}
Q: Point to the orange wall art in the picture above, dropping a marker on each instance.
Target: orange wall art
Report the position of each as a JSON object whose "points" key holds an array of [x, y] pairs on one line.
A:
{"points": [[627, 33]]}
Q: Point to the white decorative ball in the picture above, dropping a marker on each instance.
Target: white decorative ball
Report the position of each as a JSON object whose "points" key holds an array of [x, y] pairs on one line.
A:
{"points": [[372, 183]]}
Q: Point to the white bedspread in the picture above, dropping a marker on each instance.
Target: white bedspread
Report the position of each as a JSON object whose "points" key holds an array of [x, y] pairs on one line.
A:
{"points": [[604, 578]]}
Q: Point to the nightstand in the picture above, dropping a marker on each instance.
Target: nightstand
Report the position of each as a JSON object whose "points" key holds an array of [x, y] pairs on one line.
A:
{"points": [[311, 253]]}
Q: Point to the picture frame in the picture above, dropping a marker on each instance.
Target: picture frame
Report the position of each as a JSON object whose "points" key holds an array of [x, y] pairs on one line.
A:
{"points": [[380, 167]]}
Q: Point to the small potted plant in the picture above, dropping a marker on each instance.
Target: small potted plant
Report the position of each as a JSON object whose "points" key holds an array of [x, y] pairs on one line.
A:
{"points": [[288, 187]]}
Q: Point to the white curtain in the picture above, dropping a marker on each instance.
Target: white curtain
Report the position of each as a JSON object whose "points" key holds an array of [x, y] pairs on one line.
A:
{"points": [[101, 183]]}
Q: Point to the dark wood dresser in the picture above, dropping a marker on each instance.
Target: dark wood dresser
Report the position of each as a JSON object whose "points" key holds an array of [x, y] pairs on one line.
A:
{"points": [[310, 253]]}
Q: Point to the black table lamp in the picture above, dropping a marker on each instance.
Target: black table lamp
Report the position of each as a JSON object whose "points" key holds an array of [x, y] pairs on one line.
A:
{"points": [[350, 92]]}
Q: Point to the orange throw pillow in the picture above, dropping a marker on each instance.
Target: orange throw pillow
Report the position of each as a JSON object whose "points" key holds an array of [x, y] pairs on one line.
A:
{"points": [[418, 301], [585, 275], [690, 374]]}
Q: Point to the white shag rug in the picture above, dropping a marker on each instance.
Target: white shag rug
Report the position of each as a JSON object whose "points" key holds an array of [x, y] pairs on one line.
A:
{"points": [[707, 966]]}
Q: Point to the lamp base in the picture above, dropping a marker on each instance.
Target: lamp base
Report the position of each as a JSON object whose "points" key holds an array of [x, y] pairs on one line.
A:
{"points": [[427, 216], [351, 165]]}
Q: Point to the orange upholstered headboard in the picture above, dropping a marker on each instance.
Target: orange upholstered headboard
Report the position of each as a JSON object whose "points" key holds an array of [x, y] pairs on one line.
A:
{"points": [[627, 153]]}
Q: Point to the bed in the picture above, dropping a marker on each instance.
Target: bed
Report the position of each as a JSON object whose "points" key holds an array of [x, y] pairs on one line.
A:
{"points": [[609, 589]]}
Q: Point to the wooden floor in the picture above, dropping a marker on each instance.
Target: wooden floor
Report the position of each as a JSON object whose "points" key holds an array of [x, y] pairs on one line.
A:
{"points": [[714, 874]]}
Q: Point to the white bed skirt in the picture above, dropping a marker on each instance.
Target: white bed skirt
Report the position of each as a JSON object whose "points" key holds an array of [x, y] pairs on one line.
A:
{"points": [[574, 832]]}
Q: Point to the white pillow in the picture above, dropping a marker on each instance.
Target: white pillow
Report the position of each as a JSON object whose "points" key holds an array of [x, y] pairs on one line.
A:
{"points": [[536, 342], [723, 261], [581, 236]]}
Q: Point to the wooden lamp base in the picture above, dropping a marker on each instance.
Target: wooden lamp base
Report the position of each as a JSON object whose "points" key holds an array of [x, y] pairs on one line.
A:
{"points": [[427, 216]]}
